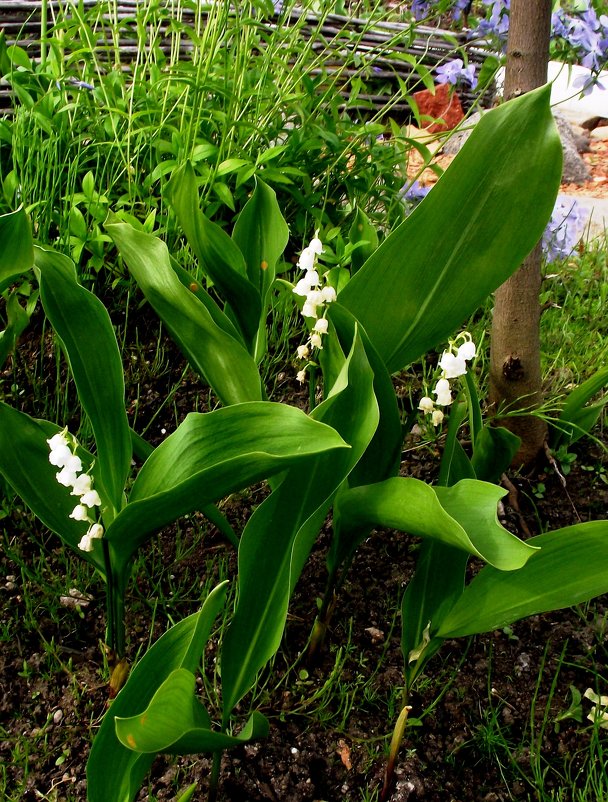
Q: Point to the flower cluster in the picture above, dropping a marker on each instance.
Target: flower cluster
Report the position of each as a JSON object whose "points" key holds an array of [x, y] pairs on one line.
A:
{"points": [[599, 711], [453, 363], [454, 71], [317, 295], [563, 231], [63, 456], [586, 35], [413, 192]]}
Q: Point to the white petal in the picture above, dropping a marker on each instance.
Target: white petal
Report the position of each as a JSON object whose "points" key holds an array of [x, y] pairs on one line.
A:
{"points": [[315, 245], [82, 485], [91, 498], [452, 366], [467, 350], [426, 404], [321, 325], [95, 531], [307, 259], [329, 294], [66, 477], [80, 513], [86, 544], [60, 455], [315, 340], [437, 417], [301, 376]]}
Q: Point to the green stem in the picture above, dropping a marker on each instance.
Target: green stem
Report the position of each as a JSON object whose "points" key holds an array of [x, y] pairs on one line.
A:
{"points": [[392, 755], [43, 31], [214, 777]]}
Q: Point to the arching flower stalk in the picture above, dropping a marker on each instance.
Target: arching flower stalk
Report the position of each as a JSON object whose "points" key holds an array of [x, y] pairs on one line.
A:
{"points": [[63, 455], [317, 294], [453, 363]]}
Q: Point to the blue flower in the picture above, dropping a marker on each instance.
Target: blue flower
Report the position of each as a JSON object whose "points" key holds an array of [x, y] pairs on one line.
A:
{"points": [[563, 231], [454, 71]]}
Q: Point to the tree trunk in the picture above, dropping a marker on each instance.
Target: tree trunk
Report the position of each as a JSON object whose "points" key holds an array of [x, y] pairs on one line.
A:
{"points": [[515, 377]]}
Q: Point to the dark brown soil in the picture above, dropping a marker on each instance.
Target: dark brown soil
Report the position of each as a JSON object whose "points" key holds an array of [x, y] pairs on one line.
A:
{"points": [[473, 735]]}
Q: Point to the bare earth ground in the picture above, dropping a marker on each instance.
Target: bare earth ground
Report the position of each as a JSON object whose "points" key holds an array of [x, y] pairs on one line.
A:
{"points": [[476, 738]]}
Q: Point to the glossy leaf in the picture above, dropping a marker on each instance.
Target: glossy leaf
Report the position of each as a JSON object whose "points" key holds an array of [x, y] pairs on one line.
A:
{"points": [[462, 516], [261, 234], [455, 463], [219, 257], [180, 647], [85, 329], [175, 722], [576, 419], [221, 359], [24, 463], [569, 568], [437, 584], [16, 246], [209, 456], [17, 320], [364, 233], [494, 450], [465, 238], [279, 535]]}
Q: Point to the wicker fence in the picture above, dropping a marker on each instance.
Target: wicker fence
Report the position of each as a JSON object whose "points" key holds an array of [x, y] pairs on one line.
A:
{"points": [[386, 48]]}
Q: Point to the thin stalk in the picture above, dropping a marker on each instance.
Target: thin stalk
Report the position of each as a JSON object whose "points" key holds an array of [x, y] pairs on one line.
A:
{"points": [[44, 17], [396, 740], [214, 777]]}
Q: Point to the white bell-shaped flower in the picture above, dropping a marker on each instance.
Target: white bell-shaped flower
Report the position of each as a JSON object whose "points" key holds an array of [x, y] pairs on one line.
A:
{"points": [[426, 404], [452, 366]]}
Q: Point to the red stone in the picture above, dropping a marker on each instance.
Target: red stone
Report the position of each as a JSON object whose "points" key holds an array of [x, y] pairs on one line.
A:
{"points": [[444, 105]]}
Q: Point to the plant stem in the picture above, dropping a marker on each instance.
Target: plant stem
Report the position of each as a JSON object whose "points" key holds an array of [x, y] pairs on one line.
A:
{"points": [[43, 31], [214, 777], [392, 755]]}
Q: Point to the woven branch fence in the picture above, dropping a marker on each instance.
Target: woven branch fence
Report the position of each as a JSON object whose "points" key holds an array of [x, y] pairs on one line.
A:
{"points": [[387, 49]]}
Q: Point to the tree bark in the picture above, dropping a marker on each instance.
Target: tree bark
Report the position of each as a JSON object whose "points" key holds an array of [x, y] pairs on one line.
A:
{"points": [[515, 376]]}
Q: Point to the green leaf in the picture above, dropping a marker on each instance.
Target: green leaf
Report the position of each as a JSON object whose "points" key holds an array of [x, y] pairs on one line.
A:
{"points": [[362, 231], [219, 256], [462, 516], [32, 477], [180, 647], [175, 722], [279, 535], [261, 234], [569, 568], [85, 329], [494, 450], [466, 237], [575, 419], [17, 321], [220, 358], [437, 584], [455, 463], [209, 456], [17, 250]]}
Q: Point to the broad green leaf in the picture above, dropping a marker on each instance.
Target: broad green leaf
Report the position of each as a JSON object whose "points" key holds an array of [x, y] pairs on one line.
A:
{"points": [[575, 419], [82, 323], [221, 359], [279, 535], [219, 257], [494, 450], [455, 463], [382, 457], [466, 237], [261, 234], [209, 456], [176, 722], [569, 568], [180, 647], [462, 516], [17, 320], [437, 584], [16, 246], [362, 231], [24, 463]]}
